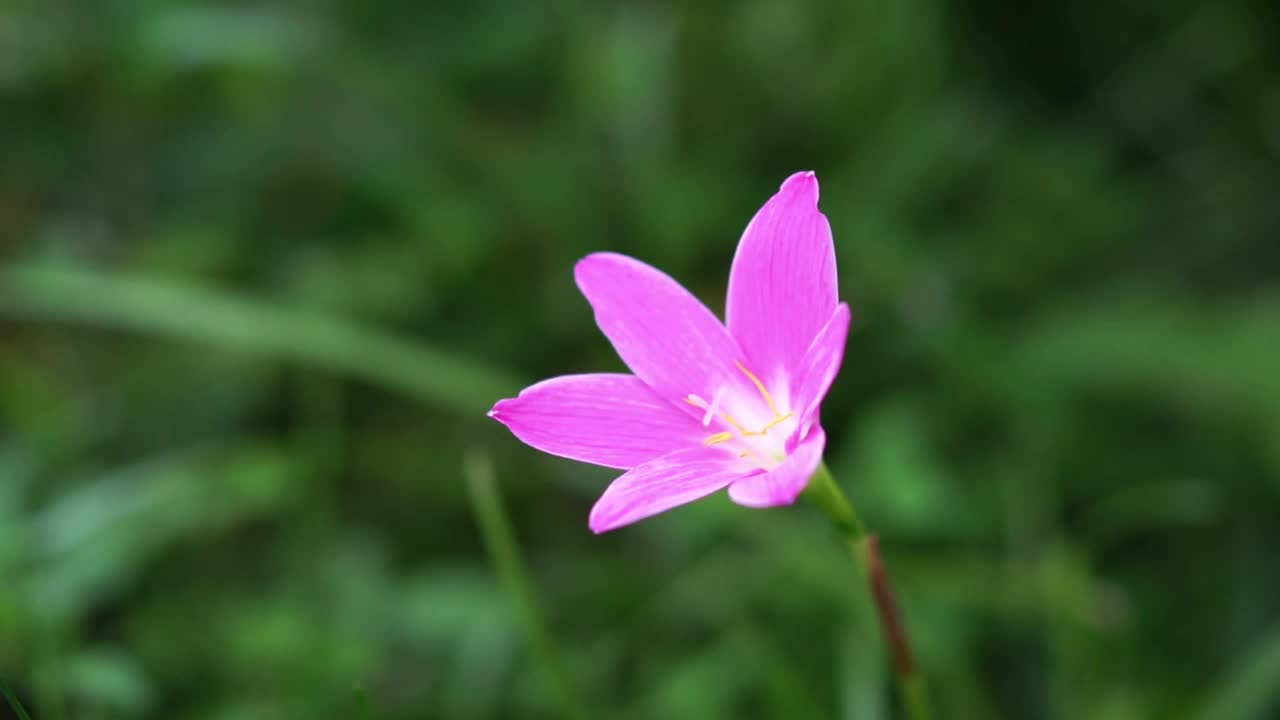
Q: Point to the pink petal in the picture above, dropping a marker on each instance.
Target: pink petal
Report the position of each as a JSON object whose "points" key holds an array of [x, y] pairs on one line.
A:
{"points": [[674, 479], [820, 364], [783, 484], [782, 287], [662, 332], [613, 420]]}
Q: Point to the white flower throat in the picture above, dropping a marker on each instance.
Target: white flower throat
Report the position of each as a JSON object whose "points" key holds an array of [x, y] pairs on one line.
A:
{"points": [[764, 447]]}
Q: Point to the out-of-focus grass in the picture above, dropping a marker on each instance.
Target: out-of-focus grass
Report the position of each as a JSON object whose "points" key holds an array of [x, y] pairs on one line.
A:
{"points": [[14, 704], [504, 553], [1249, 688], [229, 323]]}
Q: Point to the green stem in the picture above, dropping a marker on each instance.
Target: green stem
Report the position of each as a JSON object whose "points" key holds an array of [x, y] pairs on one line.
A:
{"points": [[825, 494], [503, 551]]}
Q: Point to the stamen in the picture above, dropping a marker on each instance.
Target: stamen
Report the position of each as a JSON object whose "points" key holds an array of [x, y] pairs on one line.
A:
{"points": [[729, 419], [712, 411], [776, 422], [755, 460], [772, 424], [760, 386]]}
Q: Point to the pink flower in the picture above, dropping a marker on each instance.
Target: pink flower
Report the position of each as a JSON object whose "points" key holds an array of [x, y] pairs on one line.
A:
{"points": [[709, 405]]}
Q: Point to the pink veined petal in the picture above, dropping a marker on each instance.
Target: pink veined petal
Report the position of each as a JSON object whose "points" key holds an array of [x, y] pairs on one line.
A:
{"points": [[673, 479], [608, 419], [820, 364], [783, 484], [782, 286], [662, 332]]}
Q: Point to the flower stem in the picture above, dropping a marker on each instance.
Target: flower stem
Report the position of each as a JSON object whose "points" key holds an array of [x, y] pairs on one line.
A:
{"points": [[825, 494]]}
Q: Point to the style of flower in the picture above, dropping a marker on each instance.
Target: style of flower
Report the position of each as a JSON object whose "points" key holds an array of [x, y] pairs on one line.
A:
{"points": [[709, 405]]}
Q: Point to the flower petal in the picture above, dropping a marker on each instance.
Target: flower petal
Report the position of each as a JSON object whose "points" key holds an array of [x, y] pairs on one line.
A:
{"points": [[783, 484], [673, 479], [782, 287], [607, 419], [820, 364], [662, 332]]}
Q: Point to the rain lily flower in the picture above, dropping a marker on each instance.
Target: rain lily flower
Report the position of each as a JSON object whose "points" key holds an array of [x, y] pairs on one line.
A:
{"points": [[708, 405]]}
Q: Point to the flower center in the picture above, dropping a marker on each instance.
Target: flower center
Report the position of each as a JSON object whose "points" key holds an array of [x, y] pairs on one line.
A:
{"points": [[756, 446]]}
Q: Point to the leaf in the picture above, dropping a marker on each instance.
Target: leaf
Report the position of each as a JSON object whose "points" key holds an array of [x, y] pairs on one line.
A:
{"points": [[175, 311]]}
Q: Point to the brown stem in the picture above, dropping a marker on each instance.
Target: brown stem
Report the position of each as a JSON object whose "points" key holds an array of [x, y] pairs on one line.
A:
{"points": [[826, 495], [890, 616]]}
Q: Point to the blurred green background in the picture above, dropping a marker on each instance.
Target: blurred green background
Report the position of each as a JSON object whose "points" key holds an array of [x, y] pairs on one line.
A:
{"points": [[265, 265]]}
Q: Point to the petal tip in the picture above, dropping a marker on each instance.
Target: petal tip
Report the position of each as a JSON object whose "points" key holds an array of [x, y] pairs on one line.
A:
{"points": [[496, 411], [801, 184], [597, 258], [586, 262], [598, 525], [595, 267]]}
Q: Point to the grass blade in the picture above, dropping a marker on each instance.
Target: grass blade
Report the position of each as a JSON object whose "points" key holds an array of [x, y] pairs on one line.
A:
{"points": [[1253, 687], [197, 314], [12, 699], [500, 542]]}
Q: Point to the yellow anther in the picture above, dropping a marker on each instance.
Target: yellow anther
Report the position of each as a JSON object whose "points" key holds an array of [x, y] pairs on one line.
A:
{"points": [[776, 422], [718, 438], [772, 424], [760, 386]]}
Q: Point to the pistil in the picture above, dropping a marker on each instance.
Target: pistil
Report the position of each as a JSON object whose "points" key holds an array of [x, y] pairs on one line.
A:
{"points": [[712, 410]]}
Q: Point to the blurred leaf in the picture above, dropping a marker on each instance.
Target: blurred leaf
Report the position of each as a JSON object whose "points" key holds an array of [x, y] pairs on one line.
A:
{"points": [[190, 36], [1211, 358], [1143, 507], [171, 310], [111, 680], [1252, 687]]}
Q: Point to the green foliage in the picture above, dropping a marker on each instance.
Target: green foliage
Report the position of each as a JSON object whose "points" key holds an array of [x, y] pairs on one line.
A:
{"points": [[266, 265]]}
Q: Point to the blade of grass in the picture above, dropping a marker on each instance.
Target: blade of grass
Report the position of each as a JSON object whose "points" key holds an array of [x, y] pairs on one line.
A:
{"points": [[500, 542], [201, 315], [862, 668], [1252, 687], [12, 699]]}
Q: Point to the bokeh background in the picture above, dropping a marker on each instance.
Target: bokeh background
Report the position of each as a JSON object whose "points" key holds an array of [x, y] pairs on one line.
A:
{"points": [[265, 265]]}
